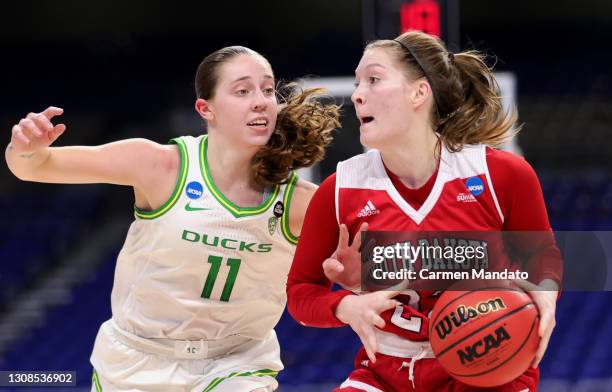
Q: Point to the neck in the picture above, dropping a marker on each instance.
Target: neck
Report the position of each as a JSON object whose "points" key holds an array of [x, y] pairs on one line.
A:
{"points": [[230, 164], [413, 159]]}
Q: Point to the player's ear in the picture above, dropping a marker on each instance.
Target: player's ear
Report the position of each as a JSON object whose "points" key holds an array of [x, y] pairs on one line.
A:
{"points": [[419, 92], [204, 109]]}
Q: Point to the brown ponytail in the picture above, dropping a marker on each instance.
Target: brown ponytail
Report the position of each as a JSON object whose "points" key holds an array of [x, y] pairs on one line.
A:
{"points": [[467, 106], [303, 131], [480, 116]]}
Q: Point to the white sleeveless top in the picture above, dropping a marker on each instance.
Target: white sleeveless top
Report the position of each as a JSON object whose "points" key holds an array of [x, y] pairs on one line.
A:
{"points": [[200, 267]]}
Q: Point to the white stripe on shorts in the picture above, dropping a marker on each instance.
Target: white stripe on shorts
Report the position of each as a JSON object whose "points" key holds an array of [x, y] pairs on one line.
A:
{"points": [[361, 385]]}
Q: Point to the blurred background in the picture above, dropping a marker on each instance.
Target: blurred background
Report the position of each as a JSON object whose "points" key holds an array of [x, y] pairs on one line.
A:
{"points": [[126, 69]]}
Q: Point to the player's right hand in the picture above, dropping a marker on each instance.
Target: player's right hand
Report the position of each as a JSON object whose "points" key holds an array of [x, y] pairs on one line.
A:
{"points": [[35, 131], [344, 266], [362, 313]]}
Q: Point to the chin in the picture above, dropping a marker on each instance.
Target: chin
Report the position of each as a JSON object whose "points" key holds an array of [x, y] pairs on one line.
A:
{"points": [[367, 140], [259, 139]]}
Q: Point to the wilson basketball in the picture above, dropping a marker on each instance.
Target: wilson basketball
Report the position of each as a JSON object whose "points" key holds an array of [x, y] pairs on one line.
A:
{"points": [[485, 337]]}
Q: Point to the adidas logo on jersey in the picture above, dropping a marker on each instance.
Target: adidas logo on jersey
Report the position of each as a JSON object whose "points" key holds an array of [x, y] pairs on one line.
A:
{"points": [[465, 198], [368, 210]]}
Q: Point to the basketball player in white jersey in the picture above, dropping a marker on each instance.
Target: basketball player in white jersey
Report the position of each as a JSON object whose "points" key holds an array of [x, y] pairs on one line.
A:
{"points": [[200, 281]]}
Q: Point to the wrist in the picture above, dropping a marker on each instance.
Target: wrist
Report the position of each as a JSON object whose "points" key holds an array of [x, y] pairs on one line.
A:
{"points": [[20, 154], [343, 308]]}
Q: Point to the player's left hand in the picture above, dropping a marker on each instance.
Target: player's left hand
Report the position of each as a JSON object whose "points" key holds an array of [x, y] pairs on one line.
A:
{"points": [[544, 296]]}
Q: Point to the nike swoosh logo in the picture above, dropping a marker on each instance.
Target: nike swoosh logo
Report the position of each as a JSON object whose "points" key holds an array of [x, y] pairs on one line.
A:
{"points": [[190, 208]]}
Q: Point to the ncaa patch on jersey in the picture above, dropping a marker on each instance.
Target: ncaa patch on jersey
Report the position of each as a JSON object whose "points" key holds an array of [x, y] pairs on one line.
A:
{"points": [[475, 186], [194, 190]]}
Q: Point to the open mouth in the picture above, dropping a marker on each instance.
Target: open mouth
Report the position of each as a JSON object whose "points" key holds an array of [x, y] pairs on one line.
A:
{"points": [[258, 123], [367, 119]]}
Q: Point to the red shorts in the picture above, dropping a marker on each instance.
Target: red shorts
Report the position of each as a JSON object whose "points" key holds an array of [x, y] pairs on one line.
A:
{"points": [[392, 374]]}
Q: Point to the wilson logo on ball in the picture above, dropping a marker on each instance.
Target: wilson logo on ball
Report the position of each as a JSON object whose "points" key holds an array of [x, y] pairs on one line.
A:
{"points": [[483, 346], [462, 314]]}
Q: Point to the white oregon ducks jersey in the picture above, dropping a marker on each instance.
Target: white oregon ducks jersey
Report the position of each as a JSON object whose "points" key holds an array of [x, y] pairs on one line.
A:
{"points": [[200, 267]]}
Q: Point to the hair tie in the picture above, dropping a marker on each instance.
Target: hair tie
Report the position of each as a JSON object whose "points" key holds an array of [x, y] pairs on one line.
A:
{"points": [[414, 56], [451, 57], [418, 61]]}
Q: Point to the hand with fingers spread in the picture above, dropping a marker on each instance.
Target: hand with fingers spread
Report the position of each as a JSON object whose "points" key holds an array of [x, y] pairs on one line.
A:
{"points": [[362, 313], [35, 131], [344, 266], [545, 297]]}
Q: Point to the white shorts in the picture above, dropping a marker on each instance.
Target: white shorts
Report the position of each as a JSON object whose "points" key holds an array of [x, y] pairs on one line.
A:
{"points": [[125, 362]]}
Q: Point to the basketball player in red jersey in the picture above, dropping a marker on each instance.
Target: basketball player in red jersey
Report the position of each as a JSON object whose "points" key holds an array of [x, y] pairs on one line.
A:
{"points": [[430, 119]]}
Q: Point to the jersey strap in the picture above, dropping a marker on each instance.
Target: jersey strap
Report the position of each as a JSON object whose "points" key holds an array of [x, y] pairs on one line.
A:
{"points": [[287, 203], [180, 184], [236, 211]]}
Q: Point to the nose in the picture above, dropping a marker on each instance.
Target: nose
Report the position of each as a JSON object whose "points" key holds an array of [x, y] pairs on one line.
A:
{"points": [[259, 101], [357, 97]]}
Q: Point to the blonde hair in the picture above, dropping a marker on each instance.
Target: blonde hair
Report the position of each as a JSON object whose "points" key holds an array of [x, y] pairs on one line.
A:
{"points": [[467, 105]]}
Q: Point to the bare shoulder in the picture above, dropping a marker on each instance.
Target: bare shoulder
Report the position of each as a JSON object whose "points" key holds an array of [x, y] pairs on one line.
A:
{"points": [[160, 174], [302, 193], [168, 158], [148, 156], [305, 188]]}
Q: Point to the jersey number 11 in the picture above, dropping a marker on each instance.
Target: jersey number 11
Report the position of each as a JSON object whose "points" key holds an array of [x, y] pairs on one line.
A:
{"points": [[215, 265]]}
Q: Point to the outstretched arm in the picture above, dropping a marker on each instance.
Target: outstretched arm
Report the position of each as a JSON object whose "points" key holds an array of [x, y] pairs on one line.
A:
{"points": [[128, 162]]}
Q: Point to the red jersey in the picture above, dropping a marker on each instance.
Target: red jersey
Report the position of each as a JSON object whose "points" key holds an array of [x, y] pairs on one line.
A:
{"points": [[460, 196], [365, 193]]}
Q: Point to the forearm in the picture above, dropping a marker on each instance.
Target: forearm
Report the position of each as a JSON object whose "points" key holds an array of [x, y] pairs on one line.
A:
{"points": [[24, 164], [541, 258], [309, 298], [314, 305]]}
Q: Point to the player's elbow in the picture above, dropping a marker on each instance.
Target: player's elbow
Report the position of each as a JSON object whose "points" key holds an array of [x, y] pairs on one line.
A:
{"points": [[20, 174]]}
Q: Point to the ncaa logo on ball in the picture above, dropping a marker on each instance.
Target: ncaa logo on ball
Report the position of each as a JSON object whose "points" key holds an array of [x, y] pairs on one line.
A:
{"points": [[194, 190], [483, 346], [475, 186]]}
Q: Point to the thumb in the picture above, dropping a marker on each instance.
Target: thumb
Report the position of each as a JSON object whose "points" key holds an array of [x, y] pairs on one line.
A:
{"points": [[56, 132], [332, 269], [333, 265]]}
